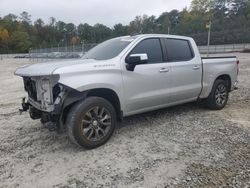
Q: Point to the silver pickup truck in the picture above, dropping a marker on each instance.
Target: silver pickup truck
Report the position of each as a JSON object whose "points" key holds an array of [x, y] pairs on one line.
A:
{"points": [[122, 77]]}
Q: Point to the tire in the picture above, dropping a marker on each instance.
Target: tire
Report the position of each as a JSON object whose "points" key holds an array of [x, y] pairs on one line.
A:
{"points": [[90, 123], [218, 97]]}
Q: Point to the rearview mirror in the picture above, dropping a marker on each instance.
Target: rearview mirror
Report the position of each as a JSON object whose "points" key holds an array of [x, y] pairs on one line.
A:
{"points": [[136, 59]]}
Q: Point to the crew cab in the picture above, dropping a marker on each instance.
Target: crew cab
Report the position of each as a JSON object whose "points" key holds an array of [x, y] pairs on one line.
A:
{"points": [[121, 77]]}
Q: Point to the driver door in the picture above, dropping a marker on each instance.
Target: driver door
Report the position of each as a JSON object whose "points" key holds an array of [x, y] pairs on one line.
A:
{"points": [[146, 88]]}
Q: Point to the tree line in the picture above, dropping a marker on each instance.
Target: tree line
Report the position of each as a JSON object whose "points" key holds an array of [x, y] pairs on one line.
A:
{"points": [[230, 23]]}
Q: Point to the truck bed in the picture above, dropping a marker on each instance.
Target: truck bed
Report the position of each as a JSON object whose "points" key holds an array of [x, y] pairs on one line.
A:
{"points": [[213, 67], [218, 57]]}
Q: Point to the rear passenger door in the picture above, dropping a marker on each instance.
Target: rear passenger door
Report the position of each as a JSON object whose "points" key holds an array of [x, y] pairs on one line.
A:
{"points": [[186, 70]]}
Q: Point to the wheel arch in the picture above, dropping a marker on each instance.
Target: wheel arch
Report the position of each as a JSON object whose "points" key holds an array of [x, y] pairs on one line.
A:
{"points": [[106, 93], [111, 96], [226, 78], [209, 83]]}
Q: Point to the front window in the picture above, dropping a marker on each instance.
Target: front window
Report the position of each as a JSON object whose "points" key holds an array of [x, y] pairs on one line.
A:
{"points": [[152, 47], [108, 49]]}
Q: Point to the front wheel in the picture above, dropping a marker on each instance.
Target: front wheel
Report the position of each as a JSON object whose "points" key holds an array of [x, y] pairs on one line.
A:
{"points": [[218, 97], [91, 122]]}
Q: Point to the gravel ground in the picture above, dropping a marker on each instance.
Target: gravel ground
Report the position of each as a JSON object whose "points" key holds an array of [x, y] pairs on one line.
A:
{"points": [[183, 146]]}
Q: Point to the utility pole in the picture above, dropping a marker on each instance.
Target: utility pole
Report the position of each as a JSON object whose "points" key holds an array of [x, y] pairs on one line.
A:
{"points": [[209, 36], [83, 47]]}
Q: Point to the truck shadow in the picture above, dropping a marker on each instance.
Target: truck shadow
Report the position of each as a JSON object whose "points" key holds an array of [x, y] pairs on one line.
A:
{"points": [[162, 114]]}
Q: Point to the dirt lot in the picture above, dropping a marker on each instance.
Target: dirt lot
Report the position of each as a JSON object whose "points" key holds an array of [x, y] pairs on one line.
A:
{"points": [[183, 146]]}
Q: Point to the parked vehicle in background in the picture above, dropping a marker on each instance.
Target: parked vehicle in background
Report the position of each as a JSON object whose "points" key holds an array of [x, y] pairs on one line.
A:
{"points": [[122, 77]]}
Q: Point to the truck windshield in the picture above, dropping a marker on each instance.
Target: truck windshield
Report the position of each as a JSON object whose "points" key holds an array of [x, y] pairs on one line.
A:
{"points": [[108, 49]]}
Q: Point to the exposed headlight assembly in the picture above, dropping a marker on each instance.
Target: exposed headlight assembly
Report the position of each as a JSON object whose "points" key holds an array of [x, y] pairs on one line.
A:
{"points": [[44, 91]]}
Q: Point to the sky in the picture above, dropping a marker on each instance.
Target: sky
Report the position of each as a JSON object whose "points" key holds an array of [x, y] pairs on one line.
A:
{"points": [[108, 12]]}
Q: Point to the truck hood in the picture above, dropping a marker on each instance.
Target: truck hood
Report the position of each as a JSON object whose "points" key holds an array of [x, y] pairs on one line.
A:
{"points": [[47, 68]]}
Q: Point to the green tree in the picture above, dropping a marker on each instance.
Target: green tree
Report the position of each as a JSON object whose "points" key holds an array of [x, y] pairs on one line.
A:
{"points": [[164, 23], [25, 17], [202, 5], [85, 32], [230, 24], [101, 33], [21, 41], [4, 39], [120, 30], [70, 32]]}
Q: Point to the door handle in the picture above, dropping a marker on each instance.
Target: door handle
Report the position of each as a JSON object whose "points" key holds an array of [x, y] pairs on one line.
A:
{"points": [[196, 67], [163, 70]]}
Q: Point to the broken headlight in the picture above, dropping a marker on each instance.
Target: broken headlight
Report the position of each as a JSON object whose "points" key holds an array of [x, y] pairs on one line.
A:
{"points": [[46, 92]]}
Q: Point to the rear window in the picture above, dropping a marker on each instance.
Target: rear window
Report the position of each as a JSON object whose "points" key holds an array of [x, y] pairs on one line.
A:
{"points": [[178, 50]]}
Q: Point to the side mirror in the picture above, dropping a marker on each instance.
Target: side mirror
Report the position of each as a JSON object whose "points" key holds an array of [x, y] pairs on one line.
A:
{"points": [[136, 59]]}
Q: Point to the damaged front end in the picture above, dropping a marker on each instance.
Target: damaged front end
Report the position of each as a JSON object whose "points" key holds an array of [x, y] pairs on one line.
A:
{"points": [[45, 100], [49, 100]]}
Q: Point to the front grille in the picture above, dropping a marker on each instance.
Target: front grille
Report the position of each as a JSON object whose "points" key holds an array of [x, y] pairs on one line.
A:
{"points": [[30, 87]]}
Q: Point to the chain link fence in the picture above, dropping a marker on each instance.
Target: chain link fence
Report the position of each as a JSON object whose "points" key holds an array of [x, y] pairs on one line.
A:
{"points": [[227, 48], [65, 52], [76, 51], [69, 52]]}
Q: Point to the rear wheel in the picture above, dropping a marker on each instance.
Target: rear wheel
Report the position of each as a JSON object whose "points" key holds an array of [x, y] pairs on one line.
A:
{"points": [[91, 122], [218, 97]]}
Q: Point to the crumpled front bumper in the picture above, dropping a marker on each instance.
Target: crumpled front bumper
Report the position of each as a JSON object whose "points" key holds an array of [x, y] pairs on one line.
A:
{"points": [[26, 104], [55, 114], [50, 119]]}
